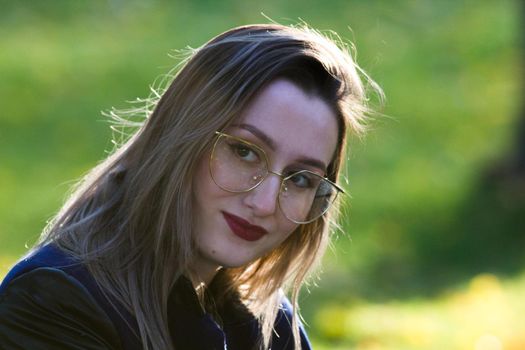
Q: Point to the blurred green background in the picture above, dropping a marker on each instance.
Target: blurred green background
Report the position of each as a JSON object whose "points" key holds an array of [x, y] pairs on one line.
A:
{"points": [[431, 255]]}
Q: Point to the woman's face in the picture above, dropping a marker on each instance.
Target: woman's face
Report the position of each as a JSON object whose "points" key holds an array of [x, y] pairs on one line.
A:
{"points": [[296, 131]]}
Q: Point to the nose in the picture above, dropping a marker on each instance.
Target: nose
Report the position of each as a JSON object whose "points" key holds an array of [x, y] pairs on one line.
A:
{"points": [[263, 199]]}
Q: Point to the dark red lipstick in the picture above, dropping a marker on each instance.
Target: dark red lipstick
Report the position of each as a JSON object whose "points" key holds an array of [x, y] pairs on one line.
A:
{"points": [[243, 228]]}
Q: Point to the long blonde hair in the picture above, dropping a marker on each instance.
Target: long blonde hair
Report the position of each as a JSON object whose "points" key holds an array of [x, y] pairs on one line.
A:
{"points": [[129, 220]]}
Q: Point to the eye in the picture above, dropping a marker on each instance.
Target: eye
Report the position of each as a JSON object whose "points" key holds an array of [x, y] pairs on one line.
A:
{"points": [[244, 152], [303, 180]]}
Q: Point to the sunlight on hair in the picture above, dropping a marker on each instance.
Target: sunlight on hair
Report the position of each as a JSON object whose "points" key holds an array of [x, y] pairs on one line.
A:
{"points": [[146, 181]]}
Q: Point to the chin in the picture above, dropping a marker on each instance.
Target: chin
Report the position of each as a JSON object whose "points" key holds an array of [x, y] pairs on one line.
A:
{"points": [[236, 263]]}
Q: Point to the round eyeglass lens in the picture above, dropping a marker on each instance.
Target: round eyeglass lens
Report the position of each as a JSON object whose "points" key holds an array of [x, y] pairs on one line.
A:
{"points": [[305, 196], [237, 166]]}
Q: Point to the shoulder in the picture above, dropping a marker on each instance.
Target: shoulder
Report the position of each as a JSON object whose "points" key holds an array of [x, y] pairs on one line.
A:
{"points": [[46, 256], [46, 308], [47, 286]]}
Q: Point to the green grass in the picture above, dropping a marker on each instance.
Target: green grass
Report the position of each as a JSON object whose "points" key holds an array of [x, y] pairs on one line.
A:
{"points": [[486, 313], [422, 221]]}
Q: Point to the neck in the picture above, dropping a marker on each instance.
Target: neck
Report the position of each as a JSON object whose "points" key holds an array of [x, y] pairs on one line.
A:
{"points": [[202, 273]]}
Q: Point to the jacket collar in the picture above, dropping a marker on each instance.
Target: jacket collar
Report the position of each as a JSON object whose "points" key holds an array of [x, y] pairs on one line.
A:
{"points": [[227, 322]]}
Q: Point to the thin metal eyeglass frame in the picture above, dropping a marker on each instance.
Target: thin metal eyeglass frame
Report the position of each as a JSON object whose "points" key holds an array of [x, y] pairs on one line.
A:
{"points": [[220, 134]]}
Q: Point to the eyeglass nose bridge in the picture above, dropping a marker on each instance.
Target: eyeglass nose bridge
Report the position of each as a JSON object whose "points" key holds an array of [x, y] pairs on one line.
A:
{"points": [[260, 179], [282, 187]]}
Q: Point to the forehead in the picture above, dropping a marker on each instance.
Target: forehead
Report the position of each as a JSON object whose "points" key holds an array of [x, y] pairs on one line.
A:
{"points": [[299, 124]]}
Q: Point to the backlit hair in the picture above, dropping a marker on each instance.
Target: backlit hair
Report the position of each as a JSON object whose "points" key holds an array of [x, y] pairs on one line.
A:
{"points": [[129, 220]]}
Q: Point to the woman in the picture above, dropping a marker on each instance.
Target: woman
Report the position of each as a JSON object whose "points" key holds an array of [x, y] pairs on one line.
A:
{"points": [[188, 234]]}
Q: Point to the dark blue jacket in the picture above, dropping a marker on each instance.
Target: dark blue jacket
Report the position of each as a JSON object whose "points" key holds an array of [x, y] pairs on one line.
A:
{"points": [[49, 300]]}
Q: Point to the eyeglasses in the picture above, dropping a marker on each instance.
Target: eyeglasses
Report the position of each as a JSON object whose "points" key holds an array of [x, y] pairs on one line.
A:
{"points": [[239, 166]]}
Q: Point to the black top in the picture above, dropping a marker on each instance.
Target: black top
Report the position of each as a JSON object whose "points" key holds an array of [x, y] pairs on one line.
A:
{"points": [[46, 309], [49, 301]]}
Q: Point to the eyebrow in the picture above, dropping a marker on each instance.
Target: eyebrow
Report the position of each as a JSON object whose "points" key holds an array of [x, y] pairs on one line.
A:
{"points": [[271, 144], [259, 134], [314, 163]]}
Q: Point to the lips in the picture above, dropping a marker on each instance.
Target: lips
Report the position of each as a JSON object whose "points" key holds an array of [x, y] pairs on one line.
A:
{"points": [[243, 228]]}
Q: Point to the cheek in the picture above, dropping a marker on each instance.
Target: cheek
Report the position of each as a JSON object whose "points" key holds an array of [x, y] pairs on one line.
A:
{"points": [[203, 185], [287, 228], [202, 170], [286, 232], [206, 194]]}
